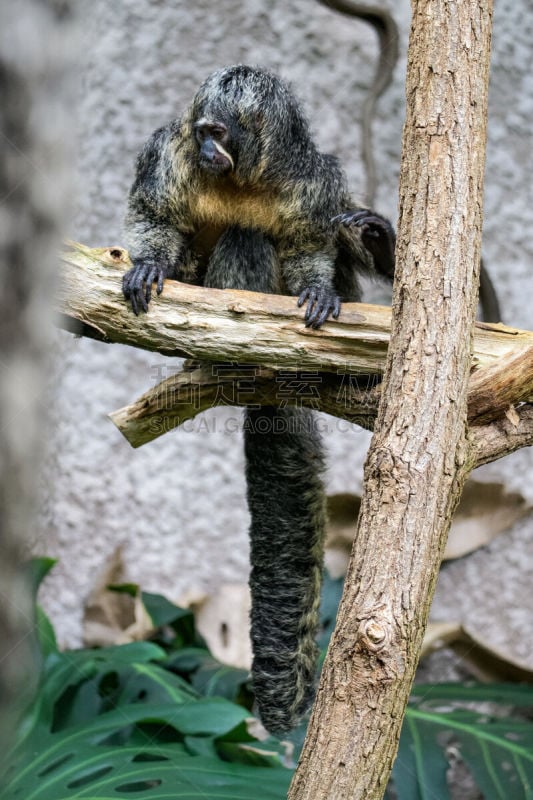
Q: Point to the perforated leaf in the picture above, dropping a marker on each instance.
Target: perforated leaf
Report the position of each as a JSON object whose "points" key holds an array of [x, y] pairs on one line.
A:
{"points": [[496, 748]]}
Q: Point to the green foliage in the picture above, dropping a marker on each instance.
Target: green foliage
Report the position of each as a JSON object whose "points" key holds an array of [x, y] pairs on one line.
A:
{"points": [[163, 719], [496, 748], [131, 720], [36, 571]]}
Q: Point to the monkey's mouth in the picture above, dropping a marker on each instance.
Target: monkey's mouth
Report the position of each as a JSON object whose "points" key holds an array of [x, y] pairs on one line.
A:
{"points": [[216, 164]]}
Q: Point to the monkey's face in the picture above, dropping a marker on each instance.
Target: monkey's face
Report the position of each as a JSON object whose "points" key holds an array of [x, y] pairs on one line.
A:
{"points": [[247, 126], [213, 139]]}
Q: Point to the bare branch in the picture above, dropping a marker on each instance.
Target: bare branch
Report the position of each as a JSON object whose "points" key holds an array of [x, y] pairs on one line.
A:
{"points": [[235, 326], [246, 327], [182, 396], [500, 438]]}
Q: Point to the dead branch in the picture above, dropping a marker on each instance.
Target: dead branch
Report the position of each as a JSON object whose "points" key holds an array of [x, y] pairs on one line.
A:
{"points": [[502, 437], [181, 397], [266, 331], [236, 326]]}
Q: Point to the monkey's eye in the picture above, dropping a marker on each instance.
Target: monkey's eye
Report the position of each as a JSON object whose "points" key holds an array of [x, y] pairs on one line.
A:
{"points": [[205, 130], [199, 132], [218, 131]]}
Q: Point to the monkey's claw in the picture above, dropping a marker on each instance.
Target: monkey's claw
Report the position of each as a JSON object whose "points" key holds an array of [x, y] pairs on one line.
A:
{"points": [[373, 225], [349, 217], [137, 284], [320, 304]]}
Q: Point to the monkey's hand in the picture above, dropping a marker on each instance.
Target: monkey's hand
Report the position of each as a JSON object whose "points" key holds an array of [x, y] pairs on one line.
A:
{"points": [[377, 235], [321, 302], [137, 283]]}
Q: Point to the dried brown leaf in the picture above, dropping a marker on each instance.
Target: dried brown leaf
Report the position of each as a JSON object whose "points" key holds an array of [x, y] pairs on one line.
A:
{"points": [[111, 617], [485, 511], [486, 662], [343, 510], [223, 619]]}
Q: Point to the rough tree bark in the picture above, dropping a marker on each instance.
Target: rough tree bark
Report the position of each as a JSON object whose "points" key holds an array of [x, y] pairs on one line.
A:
{"points": [[419, 456]]}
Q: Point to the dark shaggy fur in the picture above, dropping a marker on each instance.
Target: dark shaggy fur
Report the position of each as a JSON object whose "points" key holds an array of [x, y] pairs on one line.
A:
{"points": [[234, 194]]}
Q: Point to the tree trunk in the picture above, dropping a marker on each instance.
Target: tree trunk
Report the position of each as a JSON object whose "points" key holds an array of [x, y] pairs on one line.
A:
{"points": [[419, 456]]}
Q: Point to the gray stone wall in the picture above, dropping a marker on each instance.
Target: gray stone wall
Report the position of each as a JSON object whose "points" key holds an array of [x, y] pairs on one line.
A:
{"points": [[178, 504]]}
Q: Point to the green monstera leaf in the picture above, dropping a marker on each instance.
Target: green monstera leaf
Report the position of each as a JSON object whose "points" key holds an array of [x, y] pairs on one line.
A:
{"points": [[163, 719], [113, 722], [496, 748], [128, 720]]}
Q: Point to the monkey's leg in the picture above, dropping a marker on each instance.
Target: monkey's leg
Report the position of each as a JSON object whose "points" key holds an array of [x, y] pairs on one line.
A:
{"points": [[286, 497]]}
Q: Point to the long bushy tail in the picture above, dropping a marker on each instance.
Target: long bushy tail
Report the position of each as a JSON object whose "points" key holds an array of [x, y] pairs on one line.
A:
{"points": [[284, 463]]}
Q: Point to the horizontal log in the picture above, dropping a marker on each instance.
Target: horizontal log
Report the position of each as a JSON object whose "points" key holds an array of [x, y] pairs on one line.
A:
{"points": [[237, 326], [183, 396], [267, 332]]}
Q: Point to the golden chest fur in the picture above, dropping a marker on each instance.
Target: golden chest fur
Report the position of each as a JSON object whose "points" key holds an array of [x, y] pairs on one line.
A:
{"points": [[232, 205]]}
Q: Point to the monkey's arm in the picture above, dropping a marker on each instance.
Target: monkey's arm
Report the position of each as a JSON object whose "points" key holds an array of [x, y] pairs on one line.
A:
{"points": [[311, 277], [154, 242], [155, 248]]}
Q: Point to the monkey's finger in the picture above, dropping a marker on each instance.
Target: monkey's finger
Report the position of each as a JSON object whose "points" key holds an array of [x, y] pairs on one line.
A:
{"points": [[345, 218], [134, 307], [160, 281], [314, 319], [303, 297], [126, 283], [324, 314], [371, 219], [140, 299], [151, 277], [331, 305], [338, 218], [138, 279], [312, 304], [129, 288], [138, 287], [312, 314], [137, 294]]}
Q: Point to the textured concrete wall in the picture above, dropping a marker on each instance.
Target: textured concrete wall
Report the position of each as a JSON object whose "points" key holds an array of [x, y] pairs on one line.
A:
{"points": [[178, 504]]}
